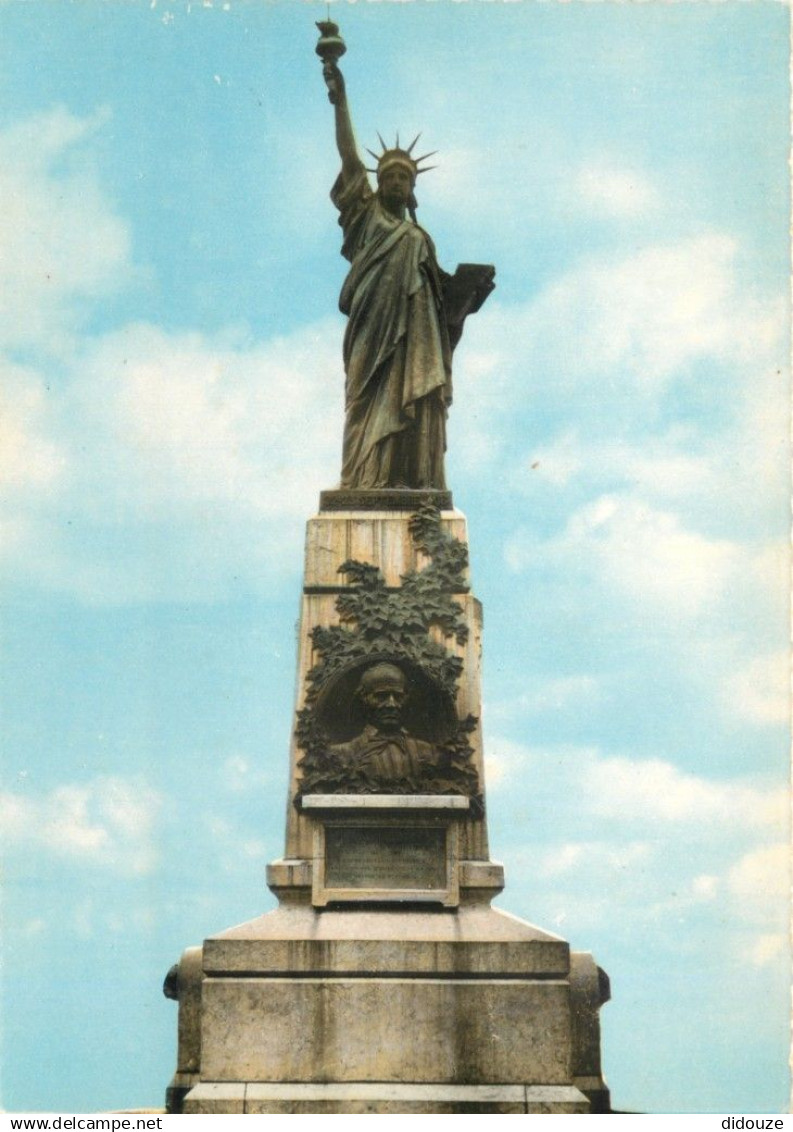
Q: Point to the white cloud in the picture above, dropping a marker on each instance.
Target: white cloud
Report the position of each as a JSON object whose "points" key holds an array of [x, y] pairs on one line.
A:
{"points": [[650, 556], [766, 948], [61, 241], [233, 847], [239, 775], [598, 838], [705, 887], [459, 176], [641, 320], [504, 760], [108, 822], [91, 918], [652, 790], [182, 463], [646, 572], [639, 552], [651, 793], [762, 878], [539, 175], [666, 307], [548, 695], [29, 458], [611, 191], [760, 692], [733, 474], [34, 927], [593, 856], [615, 334], [142, 468], [758, 889], [670, 467], [192, 421]]}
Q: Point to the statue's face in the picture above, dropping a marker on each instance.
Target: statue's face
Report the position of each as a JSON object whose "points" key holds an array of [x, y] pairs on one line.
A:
{"points": [[384, 702], [396, 185]]}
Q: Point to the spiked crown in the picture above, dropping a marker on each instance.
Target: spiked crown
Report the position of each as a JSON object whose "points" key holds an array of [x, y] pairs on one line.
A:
{"points": [[398, 156]]}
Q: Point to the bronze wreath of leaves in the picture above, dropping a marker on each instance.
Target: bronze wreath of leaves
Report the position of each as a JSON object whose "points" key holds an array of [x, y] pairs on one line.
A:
{"points": [[377, 621]]}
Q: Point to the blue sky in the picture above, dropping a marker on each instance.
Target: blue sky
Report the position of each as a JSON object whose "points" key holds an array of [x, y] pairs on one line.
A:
{"points": [[171, 357]]}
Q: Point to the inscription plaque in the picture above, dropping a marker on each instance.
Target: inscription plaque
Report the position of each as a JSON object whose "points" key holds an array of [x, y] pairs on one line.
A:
{"points": [[386, 848], [359, 856]]}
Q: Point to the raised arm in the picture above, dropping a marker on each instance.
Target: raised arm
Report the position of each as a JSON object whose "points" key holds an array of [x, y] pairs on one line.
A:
{"points": [[351, 163]]}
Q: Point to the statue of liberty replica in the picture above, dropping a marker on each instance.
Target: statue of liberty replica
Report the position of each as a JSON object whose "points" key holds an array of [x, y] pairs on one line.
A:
{"points": [[384, 981], [405, 314]]}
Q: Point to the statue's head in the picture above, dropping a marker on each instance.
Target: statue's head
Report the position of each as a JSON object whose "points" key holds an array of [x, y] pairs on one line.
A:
{"points": [[383, 690], [397, 171], [395, 182]]}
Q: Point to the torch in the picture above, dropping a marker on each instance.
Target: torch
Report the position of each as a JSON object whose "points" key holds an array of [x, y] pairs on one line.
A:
{"points": [[330, 46]]}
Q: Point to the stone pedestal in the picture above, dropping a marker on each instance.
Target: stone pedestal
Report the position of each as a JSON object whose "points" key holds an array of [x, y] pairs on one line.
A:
{"points": [[384, 981], [367, 1010]]}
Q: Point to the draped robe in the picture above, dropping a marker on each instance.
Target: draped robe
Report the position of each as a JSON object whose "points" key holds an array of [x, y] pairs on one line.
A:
{"points": [[397, 357], [387, 757]]}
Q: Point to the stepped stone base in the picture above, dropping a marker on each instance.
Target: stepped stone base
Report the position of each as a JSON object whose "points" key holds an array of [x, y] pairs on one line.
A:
{"points": [[388, 1010], [356, 1098]]}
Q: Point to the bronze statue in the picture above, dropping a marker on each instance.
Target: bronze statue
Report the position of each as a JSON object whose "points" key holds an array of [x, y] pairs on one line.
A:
{"points": [[405, 314], [384, 751]]}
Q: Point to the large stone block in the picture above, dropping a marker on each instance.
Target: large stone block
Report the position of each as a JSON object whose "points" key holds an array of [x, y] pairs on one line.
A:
{"points": [[472, 941], [379, 537], [373, 1029]]}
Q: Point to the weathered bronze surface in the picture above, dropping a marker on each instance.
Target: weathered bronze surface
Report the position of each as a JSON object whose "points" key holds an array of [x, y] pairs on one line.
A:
{"points": [[405, 314], [385, 751], [384, 499], [379, 715]]}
